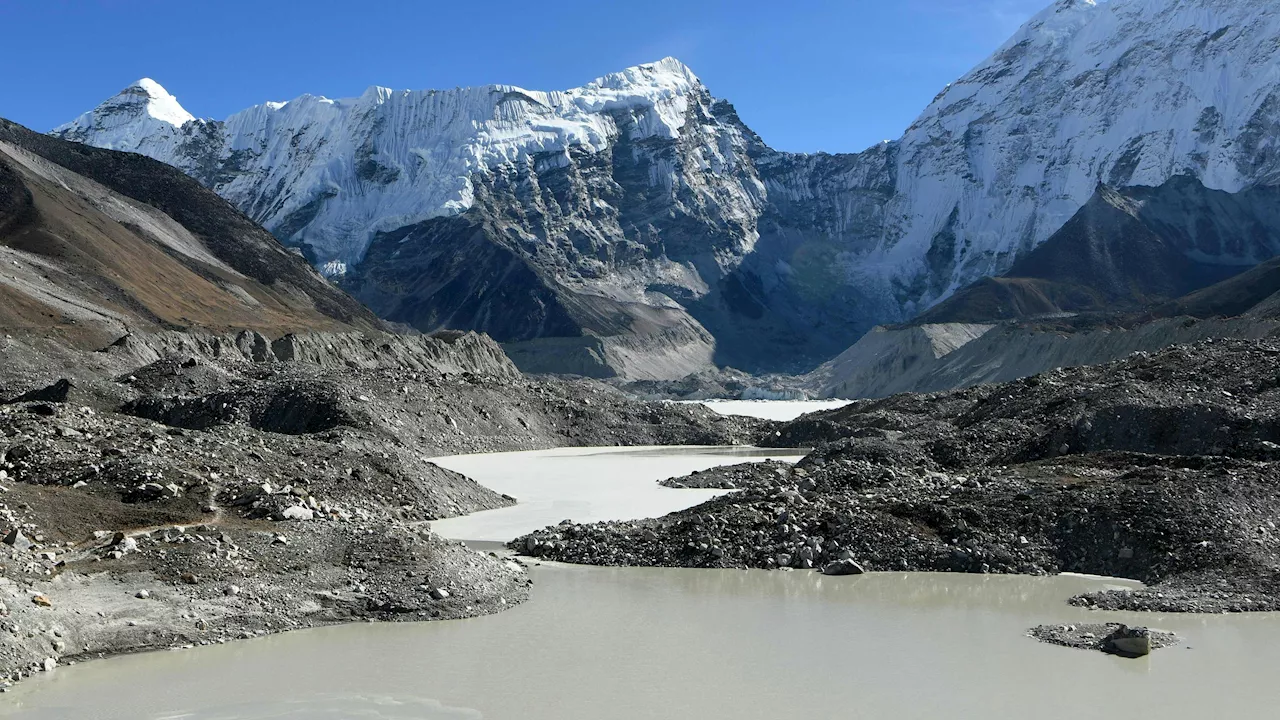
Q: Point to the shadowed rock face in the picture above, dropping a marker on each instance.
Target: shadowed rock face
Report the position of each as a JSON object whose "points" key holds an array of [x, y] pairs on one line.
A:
{"points": [[1135, 270], [1127, 249], [1254, 292], [455, 273], [287, 408]]}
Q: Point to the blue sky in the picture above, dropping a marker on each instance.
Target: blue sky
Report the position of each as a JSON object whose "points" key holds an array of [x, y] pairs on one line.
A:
{"points": [[807, 75]]}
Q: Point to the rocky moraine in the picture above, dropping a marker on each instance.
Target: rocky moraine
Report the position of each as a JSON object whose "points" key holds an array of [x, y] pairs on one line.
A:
{"points": [[181, 489], [1159, 468]]}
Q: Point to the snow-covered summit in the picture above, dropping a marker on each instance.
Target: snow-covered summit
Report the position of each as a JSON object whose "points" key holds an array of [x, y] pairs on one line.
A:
{"points": [[129, 117], [159, 103]]}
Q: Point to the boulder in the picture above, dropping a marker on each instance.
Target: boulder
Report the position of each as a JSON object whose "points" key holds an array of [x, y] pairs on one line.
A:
{"points": [[842, 567], [146, 492], [57, 393], [1129, 642], [42, 409], [297, 512], [18, 540]]}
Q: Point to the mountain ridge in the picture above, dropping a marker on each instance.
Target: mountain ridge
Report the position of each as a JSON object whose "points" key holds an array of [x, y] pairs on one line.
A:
{"points": [[645, 189], [99, 243]]}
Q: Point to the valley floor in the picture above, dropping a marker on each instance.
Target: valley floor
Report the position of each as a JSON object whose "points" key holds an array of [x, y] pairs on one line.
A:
{"points": [[180, 494]]}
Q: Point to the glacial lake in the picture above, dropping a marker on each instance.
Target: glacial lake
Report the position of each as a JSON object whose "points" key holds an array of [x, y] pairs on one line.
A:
{"points": [[586, 485], [772, 409], [630, 643]]}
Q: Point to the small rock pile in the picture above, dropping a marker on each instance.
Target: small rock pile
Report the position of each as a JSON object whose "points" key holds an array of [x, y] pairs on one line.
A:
{"points": [[1110, 638]]}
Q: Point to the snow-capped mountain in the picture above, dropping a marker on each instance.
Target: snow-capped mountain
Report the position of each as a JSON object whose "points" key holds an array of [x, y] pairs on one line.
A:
{"points": [[388, 158], [639, 206], [1125, 92]]}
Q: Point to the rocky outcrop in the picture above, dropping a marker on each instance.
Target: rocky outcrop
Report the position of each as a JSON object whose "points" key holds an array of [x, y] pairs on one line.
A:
{"points": [[58, 392], [1110, 638]]}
